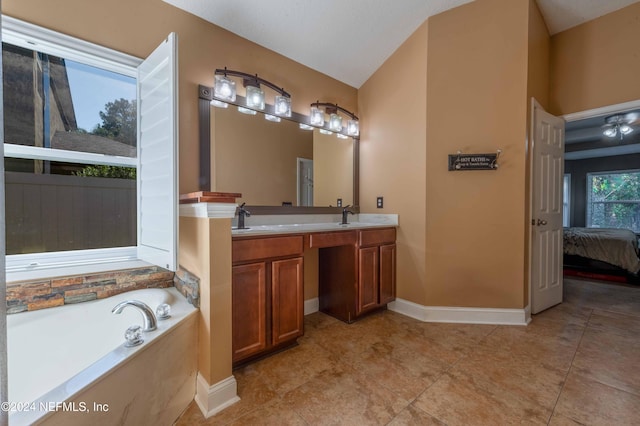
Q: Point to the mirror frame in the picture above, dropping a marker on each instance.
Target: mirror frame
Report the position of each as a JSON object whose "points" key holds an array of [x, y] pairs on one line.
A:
{"points": [[205, 96]]}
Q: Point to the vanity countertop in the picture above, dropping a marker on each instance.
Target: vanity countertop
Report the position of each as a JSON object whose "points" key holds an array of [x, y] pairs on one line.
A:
{"points": [[304, 225]]}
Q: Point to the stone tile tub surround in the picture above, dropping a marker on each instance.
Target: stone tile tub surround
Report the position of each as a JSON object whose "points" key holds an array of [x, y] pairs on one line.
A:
{"points": [[39, 294]]}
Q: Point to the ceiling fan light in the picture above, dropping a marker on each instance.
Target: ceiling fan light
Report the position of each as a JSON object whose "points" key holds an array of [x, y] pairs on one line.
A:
{"points": [[625, 129], [255, 97], [610, 132]]}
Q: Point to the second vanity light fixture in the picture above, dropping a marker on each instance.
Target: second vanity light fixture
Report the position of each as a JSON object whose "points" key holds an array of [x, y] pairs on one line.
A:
{"points": [[317, 118], [225, 90]]}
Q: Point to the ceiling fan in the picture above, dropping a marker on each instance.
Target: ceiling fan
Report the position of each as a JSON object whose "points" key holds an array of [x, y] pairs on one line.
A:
{"points": [[619, 125]]}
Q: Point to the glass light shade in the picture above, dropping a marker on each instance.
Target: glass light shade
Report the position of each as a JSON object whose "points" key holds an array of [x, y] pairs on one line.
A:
{"points": [[341, 136], [255, 97], [219, 104], [610, 132], [325, 132], [272, 118], [224, 88], [283, 106], [625, 129], [353, 128], [335, 122], [305, 126], [317, 117], [246, 111]]}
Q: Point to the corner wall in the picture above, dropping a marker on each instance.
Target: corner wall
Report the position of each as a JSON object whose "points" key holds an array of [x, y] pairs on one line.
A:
{"points": [[477, 103]]}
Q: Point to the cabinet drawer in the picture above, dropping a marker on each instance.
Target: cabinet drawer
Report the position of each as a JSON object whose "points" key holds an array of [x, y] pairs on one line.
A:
{"points": [[262, 248], [375, 237], [332, 239]]}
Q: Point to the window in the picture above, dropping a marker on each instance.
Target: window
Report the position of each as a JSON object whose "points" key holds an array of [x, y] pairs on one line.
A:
{"points": [[71, 152], [613, 200], [566, 200]]}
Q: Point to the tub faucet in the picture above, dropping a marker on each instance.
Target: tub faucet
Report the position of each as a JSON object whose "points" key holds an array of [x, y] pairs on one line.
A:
{"points": [[345, 214], [148, 317], [242, 213]]}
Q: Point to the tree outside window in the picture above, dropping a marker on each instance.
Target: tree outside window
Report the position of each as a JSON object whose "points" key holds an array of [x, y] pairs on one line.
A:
{"points": [[614, 200]]}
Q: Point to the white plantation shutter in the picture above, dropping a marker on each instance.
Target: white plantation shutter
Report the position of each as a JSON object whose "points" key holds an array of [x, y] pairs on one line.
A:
{"points": [[158, 156]]}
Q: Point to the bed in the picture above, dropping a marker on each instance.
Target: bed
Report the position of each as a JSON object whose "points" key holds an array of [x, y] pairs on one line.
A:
{"points": [[602, 251]]}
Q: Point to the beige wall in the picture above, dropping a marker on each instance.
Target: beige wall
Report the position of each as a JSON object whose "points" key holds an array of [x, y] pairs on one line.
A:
{"points": [[476, 103], [597, 63], [257, 157], [137, 27], [332, 170], [392, 107]]}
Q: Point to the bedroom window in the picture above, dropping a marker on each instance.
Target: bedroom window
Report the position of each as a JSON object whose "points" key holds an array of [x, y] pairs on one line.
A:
{"points": [[566, 200], [613, 200]]}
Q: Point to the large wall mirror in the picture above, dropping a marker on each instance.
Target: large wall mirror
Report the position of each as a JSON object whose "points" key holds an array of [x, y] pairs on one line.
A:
{"points": [[275, 164]]}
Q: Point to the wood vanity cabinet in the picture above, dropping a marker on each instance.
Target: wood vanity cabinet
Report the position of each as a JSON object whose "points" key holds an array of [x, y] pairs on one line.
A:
{"points": [[267, 295], [358, 278], [376, 269]]}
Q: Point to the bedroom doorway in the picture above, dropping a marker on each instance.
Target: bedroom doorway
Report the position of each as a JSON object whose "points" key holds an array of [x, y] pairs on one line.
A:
{"points": [[547, 175]]}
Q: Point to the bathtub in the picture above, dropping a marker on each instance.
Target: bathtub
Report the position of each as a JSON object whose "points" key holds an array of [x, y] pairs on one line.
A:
{"points": [[68, 365]]}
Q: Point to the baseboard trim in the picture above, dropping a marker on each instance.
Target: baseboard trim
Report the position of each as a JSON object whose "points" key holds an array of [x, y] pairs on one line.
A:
{"points": [[460, 314], [311, 306], [215, 398]]}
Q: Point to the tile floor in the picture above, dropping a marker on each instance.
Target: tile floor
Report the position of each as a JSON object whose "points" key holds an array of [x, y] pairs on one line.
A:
{"points": [[577, 363]]}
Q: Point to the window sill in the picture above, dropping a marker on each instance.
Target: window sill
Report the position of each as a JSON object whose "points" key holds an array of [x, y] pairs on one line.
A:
{"points": [[66, 270]]}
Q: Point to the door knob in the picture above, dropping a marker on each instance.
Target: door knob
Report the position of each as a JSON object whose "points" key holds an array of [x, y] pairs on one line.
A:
{"points": [[541, 222]]}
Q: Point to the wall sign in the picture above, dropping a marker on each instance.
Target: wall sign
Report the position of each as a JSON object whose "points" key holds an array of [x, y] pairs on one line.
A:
{"points": [[461, 161]]}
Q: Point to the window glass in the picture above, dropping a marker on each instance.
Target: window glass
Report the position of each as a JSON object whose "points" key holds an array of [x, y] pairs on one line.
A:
{"points": [[52, 102], [614, 200], [566, 200]]}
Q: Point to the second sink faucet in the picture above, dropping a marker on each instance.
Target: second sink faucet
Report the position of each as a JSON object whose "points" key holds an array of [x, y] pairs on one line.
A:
{"points": [[345, 214], [242, 213]]}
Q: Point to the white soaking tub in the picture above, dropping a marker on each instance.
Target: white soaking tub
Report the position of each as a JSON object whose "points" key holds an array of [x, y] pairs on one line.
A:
{"points": [[68, 365]]}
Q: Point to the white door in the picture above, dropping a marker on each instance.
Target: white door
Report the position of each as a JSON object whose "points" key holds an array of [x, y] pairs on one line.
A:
{"points": [[158, 156], [305, 182], [547, 135]]}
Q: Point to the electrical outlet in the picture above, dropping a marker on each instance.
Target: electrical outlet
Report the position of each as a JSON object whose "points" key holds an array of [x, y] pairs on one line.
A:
{"points": [[379, 202], [339, 202]]}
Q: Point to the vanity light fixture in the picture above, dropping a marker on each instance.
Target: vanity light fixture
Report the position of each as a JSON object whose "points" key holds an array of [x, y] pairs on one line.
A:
{"points": [[341, 136], [335, 120], [305, 126], [246, 111], [273, 118], [326, 132], [255, 98], [219, 104], [224, 88]]}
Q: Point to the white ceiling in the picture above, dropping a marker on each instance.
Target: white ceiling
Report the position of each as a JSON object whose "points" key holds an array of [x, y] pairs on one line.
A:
{"points": [[349, 40]]}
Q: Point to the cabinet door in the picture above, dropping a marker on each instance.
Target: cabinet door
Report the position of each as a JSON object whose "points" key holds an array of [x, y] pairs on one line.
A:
{"points": [[367, 279], [287, 300], [387, 273], [249, 303]]}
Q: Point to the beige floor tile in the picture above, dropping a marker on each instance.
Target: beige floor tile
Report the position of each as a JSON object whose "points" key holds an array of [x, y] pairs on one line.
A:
{"points": [[614, 322], [412, 416], [461, 399], [345, 397], [588, 402], [276, 414], [609, 358]]}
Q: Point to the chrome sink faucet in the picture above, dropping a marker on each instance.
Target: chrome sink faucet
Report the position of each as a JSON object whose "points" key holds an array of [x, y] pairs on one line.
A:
{"points": [[242, 213], [148, 317], [345, 214]]}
